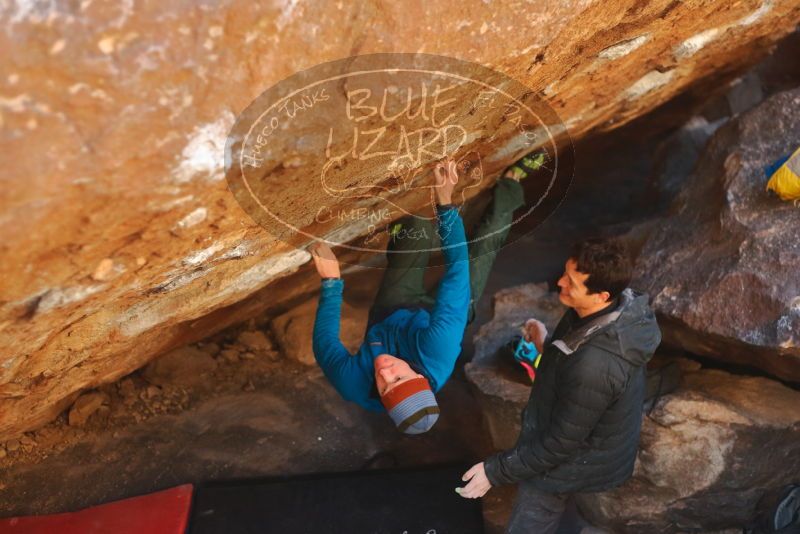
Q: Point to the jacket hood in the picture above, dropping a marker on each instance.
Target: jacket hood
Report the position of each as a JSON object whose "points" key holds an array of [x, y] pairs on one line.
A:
{"points": [[630, 331]]}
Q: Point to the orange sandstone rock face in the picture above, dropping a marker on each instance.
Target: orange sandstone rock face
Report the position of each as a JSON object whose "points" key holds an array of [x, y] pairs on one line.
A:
{"points": [[120, 239]]}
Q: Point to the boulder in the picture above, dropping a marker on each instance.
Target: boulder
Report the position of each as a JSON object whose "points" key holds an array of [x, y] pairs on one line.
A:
{"points": [[119, 236], [708, 453], [256, 341], [677, 155], [293, 330], [502, 386], [127, 390], [722, 270], [85, 406], [229, 355], [187, 366]]}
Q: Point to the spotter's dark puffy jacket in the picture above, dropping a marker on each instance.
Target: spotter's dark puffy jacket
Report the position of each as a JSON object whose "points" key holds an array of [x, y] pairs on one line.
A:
{"points": [[580, 428]]}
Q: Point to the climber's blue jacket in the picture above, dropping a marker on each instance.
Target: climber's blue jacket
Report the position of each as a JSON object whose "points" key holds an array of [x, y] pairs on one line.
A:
{"points": [[429, 341]]}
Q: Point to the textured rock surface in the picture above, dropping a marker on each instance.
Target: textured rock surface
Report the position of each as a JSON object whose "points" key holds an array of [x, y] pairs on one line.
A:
{"points": [[85, 406], [502, 387], [722, 272], [708, 453], [702, 462], [119, 237], [293, 330], [677, 156], [184, 366], [255, 340]]}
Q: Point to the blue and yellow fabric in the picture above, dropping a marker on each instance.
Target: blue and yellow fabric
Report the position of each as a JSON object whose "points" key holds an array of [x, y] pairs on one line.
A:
{"points": [[784, 177]]}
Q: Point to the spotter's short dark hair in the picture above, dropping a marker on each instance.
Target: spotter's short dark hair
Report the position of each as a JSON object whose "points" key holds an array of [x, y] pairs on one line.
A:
{"points": [[606, 261]]}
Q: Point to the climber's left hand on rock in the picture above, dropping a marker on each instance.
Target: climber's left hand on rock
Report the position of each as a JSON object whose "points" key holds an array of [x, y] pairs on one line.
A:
{"points": [[446, 178], [325, 261]]}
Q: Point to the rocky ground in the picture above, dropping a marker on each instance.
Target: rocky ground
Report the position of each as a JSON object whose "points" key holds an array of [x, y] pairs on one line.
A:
{"points": [[177, 382]]}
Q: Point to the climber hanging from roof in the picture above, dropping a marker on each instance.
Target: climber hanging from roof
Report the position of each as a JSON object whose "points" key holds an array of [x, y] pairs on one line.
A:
{"points": [[413, 339]]}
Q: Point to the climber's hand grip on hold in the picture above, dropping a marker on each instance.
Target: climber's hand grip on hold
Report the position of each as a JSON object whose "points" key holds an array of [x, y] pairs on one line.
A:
{"points": [[446, 174], [325, 260]]}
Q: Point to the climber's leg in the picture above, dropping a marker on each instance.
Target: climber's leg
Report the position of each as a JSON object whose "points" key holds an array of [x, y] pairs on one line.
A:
{"points": [[491, 235], [408, 252]]}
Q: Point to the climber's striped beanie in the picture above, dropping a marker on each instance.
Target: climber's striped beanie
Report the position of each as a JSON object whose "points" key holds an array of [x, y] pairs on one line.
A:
{"points": [[412, 406]]}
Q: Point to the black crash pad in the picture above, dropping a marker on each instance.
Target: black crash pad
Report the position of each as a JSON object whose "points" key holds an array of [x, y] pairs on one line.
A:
{"points": [[370, 502]]}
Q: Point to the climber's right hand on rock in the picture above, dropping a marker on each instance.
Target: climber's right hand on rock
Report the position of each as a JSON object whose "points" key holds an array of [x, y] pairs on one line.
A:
{"points": [[535, 331], [446, 175], [325, 261]]}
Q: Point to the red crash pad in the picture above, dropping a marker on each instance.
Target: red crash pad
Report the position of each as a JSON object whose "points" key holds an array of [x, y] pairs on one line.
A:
{"points": [[163, 512]]}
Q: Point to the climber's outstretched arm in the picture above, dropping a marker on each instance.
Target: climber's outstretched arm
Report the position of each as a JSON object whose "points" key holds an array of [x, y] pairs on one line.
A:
{"points": [[332, 357]]}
